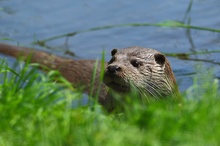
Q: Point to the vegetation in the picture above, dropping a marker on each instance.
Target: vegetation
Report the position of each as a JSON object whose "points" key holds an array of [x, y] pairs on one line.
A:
{"points": [[34, 110], [38, 109]]}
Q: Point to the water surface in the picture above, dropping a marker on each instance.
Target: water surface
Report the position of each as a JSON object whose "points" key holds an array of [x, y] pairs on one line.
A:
{"points": [[25, 21]]}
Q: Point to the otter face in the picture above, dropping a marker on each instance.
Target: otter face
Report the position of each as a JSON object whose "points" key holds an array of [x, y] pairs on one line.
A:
{"points": [[141, 68]]}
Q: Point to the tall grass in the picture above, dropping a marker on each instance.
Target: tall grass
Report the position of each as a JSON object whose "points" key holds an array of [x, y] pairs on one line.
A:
{"points": [[36, 110]]}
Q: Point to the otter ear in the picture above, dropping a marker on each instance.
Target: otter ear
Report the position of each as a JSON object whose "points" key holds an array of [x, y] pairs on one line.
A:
{"points": [[160, 58], [114, 51]]}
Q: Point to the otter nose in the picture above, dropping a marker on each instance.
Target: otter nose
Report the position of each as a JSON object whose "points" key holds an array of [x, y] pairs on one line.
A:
{"points": [[113, 68]]}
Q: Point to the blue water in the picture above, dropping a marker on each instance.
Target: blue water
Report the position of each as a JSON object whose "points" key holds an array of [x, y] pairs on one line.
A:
{"points": [[25, 21]]}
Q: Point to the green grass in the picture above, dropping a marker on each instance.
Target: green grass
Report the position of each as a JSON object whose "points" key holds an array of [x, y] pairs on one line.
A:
{"points": [[34, 110]]}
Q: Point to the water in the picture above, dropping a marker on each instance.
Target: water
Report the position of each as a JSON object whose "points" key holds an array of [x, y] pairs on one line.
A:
{"points": [[28, 20]]}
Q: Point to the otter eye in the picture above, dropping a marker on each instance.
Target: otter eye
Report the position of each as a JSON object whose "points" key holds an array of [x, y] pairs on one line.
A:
{"points": [[136, 63]]}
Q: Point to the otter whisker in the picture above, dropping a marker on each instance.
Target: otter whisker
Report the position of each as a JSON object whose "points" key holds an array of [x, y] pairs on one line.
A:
{"points": [[155, 89]]}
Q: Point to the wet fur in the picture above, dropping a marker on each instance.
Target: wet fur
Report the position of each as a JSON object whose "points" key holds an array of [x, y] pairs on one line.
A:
{"points": [[79, 72]]}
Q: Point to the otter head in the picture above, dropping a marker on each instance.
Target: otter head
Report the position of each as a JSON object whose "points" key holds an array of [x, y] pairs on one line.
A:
{"points": [[145, 69]]}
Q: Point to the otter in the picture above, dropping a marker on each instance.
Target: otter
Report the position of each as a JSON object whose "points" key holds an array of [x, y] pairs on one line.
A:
{"points": [[144, 69]]}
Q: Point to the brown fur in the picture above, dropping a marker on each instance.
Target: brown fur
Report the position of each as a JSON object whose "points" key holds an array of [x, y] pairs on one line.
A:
{"points": [[146, 69], [79, 72]]}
